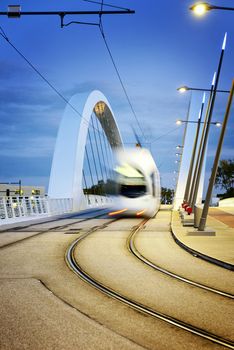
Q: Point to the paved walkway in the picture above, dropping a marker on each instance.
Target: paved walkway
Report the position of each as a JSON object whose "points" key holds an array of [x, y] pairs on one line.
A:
{"points": [[220, 248], [223, 216]]}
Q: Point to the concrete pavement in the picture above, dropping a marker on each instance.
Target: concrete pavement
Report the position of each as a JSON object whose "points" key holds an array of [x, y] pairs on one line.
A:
{"points": [[218, 248]]}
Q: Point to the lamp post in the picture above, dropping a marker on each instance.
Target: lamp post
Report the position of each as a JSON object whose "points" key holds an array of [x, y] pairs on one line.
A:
{"points": [[191, 166], [179, 122], [205, 132], [215, 164], [201, 8], [177, 187], [185, 88]]}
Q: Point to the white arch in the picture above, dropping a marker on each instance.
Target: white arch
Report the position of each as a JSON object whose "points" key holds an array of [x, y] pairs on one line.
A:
{"points": [[67, 165]]}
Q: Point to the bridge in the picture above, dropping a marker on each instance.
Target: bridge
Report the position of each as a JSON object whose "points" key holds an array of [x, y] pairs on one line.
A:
{"points": [[81, 175], [82, 168]]}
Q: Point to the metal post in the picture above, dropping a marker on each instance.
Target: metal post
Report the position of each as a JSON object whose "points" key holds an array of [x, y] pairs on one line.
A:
{"points": [[20, 187], [187, 189], [216, 162], [207, 123], [183, 141], [198, 166]]}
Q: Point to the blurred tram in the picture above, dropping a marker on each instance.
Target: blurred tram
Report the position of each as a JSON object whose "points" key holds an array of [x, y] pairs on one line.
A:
{"points": [[138, 183]]}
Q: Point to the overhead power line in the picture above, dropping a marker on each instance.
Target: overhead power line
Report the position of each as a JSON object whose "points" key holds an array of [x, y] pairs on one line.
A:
{"points": [[3, 34], [14, 11], [108, 5], [119, 77], [167, 133]]}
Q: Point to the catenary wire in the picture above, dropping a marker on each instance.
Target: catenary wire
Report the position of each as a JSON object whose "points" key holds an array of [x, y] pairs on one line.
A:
{"points": [[167, 133], [2, 33], [119, 77], [105, 4]]}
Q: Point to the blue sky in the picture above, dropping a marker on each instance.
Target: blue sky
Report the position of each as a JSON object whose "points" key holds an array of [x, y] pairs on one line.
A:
{"points": [[159, 48]]}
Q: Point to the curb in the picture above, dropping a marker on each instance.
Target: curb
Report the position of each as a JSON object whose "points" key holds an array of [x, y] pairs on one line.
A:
{"points": [[200, 255]]}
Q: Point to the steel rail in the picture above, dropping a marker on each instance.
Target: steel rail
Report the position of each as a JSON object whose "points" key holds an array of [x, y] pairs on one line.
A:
{"points": [[65, 216], [132, 248], [50, 229], [77, 269]]}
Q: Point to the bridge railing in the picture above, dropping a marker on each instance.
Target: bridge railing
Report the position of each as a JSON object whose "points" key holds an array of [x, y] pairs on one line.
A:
{"points": [[19, 208]]}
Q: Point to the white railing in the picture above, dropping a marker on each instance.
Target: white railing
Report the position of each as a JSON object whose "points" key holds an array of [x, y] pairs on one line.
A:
{"points": [[92, 201], [13, 209]]}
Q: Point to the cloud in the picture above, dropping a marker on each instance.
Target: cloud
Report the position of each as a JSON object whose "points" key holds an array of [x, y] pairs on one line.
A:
{"points": [[28, 147], [10, 70]]}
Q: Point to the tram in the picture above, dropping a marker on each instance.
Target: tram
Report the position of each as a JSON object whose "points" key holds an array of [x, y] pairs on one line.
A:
{"points": [[137, 183]]}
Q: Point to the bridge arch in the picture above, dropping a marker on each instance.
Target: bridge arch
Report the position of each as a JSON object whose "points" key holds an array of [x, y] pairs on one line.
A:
{"points": [[68, 159]]}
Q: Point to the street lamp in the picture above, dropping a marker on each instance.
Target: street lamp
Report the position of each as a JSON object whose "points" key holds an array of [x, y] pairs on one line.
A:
{"points": [[179, 122], [204, 214], [179, 147], [185, 88], [202, 7], [205, 131]]}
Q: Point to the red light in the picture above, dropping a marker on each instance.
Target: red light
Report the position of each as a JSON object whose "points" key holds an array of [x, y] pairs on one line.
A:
{"points": [[118, 212]]}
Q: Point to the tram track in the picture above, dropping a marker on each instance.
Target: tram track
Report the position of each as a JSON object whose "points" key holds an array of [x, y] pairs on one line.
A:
{"points": [[132, 248], [50, 229], [79, 271]]}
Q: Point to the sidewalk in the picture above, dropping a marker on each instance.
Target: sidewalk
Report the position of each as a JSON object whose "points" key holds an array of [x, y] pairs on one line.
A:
{"points": [[218, 249]]}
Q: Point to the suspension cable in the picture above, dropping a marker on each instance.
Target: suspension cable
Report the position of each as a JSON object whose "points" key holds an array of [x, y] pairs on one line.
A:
{"points": [[100, 142], [85, 183], [91, 175], [97, 148]]}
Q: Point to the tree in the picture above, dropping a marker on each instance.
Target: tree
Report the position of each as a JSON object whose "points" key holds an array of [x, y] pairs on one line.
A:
{"points": [[225, 177], [166, 195]]}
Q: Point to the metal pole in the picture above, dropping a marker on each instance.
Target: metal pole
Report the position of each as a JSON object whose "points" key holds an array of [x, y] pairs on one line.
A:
{"points": [[212, 7], [183, 141], [216, 163], [20, 187], [207, 123], [197, 170], [188, 184], [64, 13]]}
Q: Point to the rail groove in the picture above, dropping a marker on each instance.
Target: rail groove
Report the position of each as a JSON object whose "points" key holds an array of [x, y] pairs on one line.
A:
{"points": [[50, 229], [76, 268], [131, 247]]}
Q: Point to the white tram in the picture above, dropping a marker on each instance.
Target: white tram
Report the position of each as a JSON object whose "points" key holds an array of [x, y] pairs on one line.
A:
{"points": [[138, 183]]}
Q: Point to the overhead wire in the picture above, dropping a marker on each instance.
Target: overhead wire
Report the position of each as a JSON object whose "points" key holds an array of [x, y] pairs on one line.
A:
{"points": [[100, 25], [105, 4], [3, 34], [78, 22], [167, 133], [101, 28]]}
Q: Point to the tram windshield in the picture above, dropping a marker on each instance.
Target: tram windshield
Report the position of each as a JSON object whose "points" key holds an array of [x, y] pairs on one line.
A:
{"points": [[132, 191], [131, 182]]}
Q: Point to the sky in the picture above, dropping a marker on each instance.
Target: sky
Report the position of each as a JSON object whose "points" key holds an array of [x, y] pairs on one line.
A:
{"points": [[159, 48]]}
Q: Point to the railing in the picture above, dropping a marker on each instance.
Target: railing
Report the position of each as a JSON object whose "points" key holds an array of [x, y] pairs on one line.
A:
{"points": [[97, 201], [19, 208]]}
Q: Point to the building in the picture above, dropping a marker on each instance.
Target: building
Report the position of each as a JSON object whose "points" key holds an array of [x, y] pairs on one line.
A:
{"points": [[16, 189]]}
